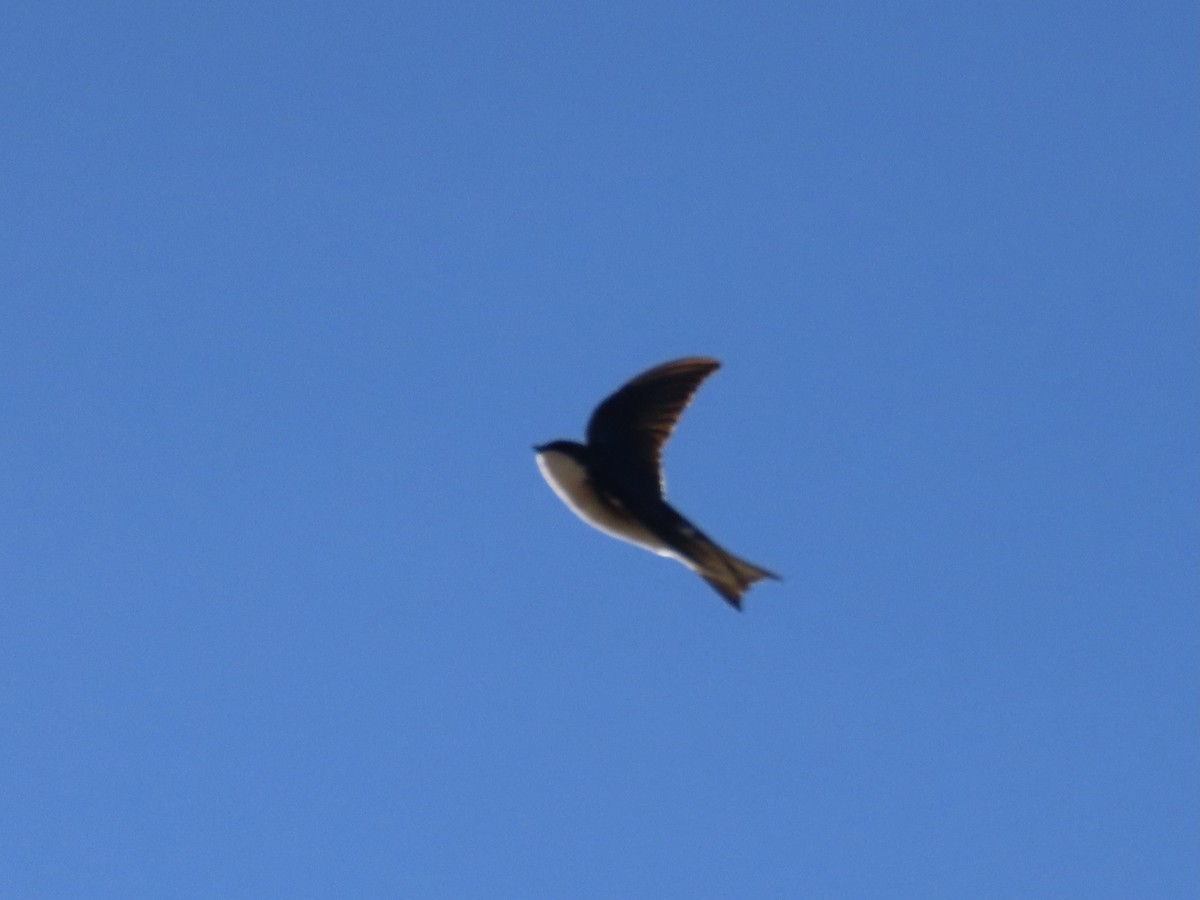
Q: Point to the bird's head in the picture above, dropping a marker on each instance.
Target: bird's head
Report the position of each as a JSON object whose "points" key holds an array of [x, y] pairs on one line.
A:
{"points": [[575, 451]]}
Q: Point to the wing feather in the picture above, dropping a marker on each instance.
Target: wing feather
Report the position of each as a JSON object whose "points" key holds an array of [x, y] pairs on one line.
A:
{"points": [[631, 427]]}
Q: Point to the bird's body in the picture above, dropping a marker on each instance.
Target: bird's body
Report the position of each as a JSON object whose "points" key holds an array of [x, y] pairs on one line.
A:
{"points": [[614, 481]]}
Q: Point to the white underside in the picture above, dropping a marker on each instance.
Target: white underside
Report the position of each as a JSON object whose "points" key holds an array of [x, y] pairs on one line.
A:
{"points": [[569, 480]]}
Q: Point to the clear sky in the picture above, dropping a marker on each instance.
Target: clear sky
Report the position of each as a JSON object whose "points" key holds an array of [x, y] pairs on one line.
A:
{"points": [[288, 291]]}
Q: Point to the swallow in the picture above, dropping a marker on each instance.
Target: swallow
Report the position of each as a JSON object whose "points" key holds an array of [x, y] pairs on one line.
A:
{"points": [[615, 481]]}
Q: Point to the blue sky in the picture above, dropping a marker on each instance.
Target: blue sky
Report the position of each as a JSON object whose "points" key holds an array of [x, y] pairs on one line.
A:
{"points": [[290, 290]]}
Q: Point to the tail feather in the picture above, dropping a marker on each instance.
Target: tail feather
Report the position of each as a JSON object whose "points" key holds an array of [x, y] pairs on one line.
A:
{"points": [[728, 575], [734, 577]]}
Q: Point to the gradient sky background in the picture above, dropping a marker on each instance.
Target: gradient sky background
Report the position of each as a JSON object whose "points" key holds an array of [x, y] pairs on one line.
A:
{"points": [[288, 292]]}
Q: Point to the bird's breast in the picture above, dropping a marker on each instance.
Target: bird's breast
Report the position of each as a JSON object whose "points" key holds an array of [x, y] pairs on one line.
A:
{"points": [[569, 479]]}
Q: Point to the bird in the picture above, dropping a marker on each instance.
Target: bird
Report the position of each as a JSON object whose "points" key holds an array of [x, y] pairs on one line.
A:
{"points": [[615, 481]]}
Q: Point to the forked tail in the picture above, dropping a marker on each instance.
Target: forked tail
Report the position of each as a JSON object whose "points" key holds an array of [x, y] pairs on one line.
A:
{"points": [[729, 576], [732, 577]]}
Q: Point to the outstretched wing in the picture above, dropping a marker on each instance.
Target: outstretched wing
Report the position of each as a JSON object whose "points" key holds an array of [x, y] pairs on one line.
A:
{"points": [[629, 428]]}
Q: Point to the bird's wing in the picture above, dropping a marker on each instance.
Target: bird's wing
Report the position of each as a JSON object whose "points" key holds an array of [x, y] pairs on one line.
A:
{"points": [[630, 428]]}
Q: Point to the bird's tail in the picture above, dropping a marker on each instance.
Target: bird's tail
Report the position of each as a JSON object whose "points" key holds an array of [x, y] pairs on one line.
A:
{"points": [[734, 577], [728, 575]]}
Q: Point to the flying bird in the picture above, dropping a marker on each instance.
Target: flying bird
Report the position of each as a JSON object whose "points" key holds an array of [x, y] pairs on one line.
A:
{"points": [[615, 483]]}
